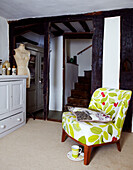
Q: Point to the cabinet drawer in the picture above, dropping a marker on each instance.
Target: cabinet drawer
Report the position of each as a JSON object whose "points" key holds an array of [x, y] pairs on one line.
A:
{"points": [[11, 122]]}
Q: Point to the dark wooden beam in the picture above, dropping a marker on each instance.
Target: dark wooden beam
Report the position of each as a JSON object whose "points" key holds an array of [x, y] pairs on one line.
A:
{"points": [[118, 12], [11, 45], [57, 28], [79, 35], [68, 25], [21, 39], [38, 28], [26, 26], [46, 69], [126, 66], [97, 53], [21, 31], [26, 22], [85, 26], [56, 33]]}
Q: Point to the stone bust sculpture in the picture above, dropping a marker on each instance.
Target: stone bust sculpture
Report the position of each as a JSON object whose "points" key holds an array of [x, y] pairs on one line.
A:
{"points": [[22, 57]]}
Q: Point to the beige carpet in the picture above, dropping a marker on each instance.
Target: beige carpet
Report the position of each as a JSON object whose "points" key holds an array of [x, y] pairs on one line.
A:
{"points": [[37, 146]]}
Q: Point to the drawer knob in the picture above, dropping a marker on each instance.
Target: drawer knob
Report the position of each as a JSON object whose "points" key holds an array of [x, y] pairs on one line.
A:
{"points": [[2, 126], [18, 119]]}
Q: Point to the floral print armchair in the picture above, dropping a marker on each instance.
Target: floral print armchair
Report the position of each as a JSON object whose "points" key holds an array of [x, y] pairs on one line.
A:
{"points": [[113, 102]]}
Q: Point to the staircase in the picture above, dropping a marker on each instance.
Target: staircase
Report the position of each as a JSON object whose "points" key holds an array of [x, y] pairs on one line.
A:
{"points": [[80, 96]]}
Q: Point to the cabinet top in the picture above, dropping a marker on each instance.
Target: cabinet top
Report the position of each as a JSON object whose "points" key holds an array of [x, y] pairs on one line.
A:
{"points": [[12, 77]]}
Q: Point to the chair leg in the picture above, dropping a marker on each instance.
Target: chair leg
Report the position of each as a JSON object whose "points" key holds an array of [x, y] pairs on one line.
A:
{"points": [[64, 135], [87, 154], [118, 145]]}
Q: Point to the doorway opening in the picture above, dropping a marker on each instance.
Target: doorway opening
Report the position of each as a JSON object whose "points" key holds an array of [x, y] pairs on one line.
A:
{"points": [[69, 57], [78, 68]]}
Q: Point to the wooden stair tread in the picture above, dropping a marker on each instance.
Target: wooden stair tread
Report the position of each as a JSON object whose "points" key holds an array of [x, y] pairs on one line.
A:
{"points": [[77, 98], [75, 105]]}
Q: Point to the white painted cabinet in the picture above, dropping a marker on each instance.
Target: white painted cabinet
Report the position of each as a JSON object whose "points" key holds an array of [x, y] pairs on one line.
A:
{"points": [[4, 98], [16, 89], [12, 103]]}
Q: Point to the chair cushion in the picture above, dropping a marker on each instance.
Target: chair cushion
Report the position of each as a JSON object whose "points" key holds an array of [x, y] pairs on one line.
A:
{"points": [[89, 133]]}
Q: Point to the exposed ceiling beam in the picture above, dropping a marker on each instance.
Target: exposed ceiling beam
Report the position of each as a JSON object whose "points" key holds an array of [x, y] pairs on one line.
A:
{"points": [[85, 26], [21, 31], [78, 35], [56, 33], [21, 39], [57, 28], [68, 25], [26, 25], [26, 28], [39, 29]]}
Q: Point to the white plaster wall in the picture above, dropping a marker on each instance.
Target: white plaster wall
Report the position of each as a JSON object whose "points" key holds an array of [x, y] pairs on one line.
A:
{"points": [[4, 39], [111, 52], [71, 76], [56, 74], [85, 59]]}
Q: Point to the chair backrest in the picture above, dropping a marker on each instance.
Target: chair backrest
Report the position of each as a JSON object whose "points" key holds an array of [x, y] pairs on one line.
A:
{"points": [[113, 102]]}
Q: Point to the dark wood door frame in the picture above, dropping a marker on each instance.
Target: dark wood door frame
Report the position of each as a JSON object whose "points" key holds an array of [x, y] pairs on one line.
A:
{"points": [[63, 96], [46, 69]]}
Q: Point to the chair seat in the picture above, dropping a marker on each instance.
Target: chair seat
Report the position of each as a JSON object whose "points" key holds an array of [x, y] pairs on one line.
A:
{"points": [[89, 133]]}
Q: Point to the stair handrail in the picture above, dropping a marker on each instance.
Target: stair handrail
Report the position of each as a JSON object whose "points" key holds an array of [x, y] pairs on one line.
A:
{"points": [[84, 49]]}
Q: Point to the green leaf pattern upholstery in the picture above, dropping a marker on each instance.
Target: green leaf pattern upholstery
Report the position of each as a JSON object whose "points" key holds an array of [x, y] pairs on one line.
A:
{"points": [[112, 102]]}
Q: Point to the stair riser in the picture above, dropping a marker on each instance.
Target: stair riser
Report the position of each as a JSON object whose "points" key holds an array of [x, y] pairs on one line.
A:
{"points": [[85, 87], [84, 80], [74, 105], [80, 94], [78, 101], [87, 74]]}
